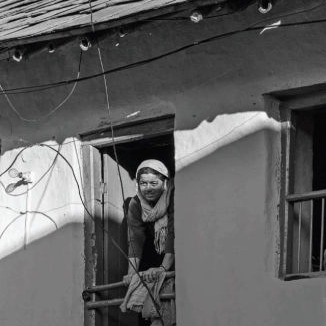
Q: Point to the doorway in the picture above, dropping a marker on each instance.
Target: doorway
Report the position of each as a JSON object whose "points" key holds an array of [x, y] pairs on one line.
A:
{"points": [[119, 167]]}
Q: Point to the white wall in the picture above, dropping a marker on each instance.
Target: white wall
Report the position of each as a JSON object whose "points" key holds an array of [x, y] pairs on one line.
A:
{"points": [[42, 264]]}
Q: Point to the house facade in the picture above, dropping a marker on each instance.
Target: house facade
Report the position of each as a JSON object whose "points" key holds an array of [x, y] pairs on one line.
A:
{"points": [[233, 104]]}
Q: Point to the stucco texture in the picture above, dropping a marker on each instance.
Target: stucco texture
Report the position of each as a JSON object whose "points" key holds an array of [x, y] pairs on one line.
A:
{"points": [[42, 243], [224, 254], [226, 200]]}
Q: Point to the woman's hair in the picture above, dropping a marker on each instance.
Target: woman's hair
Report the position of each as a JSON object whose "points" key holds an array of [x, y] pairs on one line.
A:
{"points": [[149, 170]]}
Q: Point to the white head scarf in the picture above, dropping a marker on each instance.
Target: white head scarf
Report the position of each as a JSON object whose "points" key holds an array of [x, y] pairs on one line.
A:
{"points": [[155, 165]]}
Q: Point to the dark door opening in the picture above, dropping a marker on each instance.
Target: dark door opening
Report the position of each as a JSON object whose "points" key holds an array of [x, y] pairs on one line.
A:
{"points": [[114, 265]]}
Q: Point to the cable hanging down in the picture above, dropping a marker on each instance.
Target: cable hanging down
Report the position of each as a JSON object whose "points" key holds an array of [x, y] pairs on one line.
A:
{"points": [[156, 306], [52, 111]]}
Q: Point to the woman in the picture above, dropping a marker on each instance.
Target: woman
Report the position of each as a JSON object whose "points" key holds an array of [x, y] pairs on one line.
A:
{"points": [[151, 222]]}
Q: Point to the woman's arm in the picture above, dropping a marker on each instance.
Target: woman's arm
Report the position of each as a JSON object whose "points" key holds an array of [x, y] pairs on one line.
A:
{"points": [[153, 273], [168, 261], [133, 265], [136, 239]]}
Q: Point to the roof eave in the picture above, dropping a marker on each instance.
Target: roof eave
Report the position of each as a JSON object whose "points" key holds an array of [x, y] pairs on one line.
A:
{"points": [[82, 30]]}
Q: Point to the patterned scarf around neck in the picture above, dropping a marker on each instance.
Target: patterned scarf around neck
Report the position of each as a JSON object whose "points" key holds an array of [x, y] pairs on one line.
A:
{"points": [[159, 215]]}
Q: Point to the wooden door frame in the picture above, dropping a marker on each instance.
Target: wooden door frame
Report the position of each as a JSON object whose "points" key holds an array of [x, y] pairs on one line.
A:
{"points": [[92, 143]]}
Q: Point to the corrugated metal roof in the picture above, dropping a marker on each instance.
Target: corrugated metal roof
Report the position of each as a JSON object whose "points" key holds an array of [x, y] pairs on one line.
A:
{"points": [[21, 19]]}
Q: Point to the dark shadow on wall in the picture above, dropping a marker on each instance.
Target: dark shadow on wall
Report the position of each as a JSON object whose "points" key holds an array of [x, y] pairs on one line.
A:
{"points": [[42, 284]]}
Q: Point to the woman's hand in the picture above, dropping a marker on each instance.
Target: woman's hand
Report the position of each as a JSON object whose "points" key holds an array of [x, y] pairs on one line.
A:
{"points": [[132, 269], [152, 274], [127, 279]]}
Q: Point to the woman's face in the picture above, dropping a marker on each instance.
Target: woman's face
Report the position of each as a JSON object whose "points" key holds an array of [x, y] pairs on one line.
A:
{"points": [[151, 187]]}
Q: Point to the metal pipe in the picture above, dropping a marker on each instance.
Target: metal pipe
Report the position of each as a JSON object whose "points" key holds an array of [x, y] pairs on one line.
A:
{"points": [[322, 235], [117, 302], [311, 233], [105, 287], [299, 238]]}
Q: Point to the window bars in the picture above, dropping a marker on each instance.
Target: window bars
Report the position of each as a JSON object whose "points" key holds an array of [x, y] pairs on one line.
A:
{"points": [[307, 232]]}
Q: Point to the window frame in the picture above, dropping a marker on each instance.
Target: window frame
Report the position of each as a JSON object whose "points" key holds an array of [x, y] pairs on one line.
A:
{"points": [[282, 105]]}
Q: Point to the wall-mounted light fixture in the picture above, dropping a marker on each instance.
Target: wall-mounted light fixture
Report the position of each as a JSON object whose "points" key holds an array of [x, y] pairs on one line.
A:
{"points": [[85, 43], [18, 55], [122, 33], [51, 47], [196, 16], [264, 6]]}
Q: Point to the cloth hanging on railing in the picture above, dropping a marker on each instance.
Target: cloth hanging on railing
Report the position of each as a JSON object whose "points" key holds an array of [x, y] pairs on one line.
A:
{"points": [[137, 293], [138, 299]]}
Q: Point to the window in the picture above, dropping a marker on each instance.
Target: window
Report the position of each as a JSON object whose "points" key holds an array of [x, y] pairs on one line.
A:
{"points": [[303, 194], [107, 265]]}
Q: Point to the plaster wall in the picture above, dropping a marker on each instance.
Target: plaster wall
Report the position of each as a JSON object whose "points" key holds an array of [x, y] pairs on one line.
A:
{"points": [[41, 240], [225, 244], [225, 235]]}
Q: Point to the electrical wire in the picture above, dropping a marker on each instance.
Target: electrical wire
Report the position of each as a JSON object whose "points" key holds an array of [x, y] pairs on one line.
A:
{"points": [[45, 215], [231, 12], [79, 165], [156, 305], [91, 9], [25, 220], [219, 139], [188, 18], [111, 124], [322, 3], [22, 214], [9, 208], [221, 5], [52, 111], [252, 27], [10, 223], [14, 160]]}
